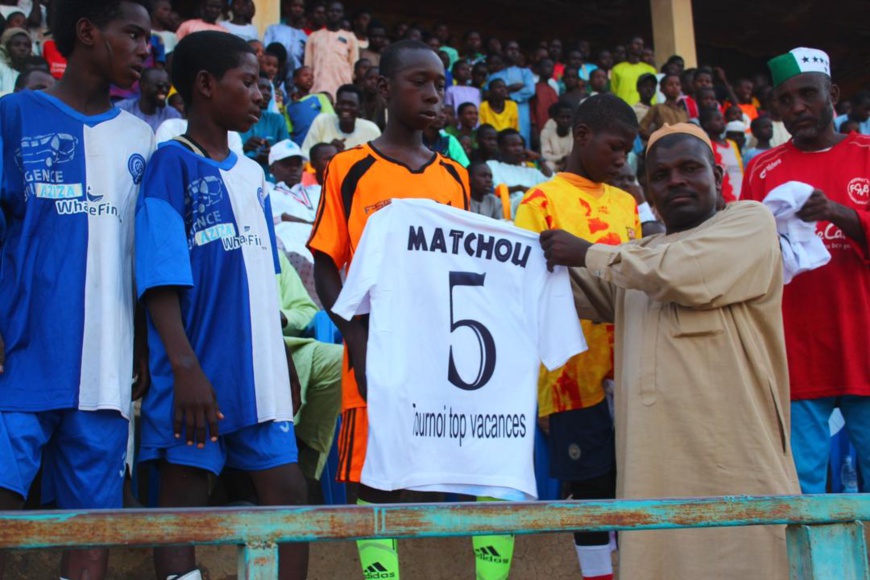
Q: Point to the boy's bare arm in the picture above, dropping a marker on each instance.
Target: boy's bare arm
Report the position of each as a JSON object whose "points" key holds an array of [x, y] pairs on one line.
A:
{"points": [[195, 405], [141, 369], [327, 280]]}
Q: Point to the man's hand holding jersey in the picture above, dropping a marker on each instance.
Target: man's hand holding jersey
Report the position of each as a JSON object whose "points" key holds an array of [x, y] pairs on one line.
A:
{"points": [[563, 249]]}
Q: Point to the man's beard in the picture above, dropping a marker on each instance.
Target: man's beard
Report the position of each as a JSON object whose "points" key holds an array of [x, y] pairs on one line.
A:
{"points": [[826, 118]]}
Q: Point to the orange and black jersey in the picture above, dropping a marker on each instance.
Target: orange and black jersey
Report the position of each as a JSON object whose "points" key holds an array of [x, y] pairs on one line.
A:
{"points": [[360, 181]]}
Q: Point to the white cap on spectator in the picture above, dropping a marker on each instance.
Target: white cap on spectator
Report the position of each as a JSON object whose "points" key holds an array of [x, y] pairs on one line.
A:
{"points": [[732, 127], [283, 150]]}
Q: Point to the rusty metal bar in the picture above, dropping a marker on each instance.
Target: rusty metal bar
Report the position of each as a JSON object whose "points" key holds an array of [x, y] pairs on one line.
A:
{"points": [[258, 562], [231, 526]]}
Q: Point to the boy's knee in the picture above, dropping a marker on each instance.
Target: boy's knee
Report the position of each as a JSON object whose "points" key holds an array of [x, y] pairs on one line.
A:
{"points": [[10, 500], [284, 485]]}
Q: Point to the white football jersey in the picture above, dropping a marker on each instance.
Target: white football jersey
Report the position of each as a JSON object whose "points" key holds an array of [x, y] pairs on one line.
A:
{"points": [[463, 311]]}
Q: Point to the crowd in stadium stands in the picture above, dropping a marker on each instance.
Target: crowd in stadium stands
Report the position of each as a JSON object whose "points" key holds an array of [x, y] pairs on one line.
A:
{"points": [[554, 135]]}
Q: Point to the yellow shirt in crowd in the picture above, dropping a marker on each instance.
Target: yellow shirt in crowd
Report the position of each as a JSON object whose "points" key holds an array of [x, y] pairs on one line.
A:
{"points": [[509, 118], [600, 214]]}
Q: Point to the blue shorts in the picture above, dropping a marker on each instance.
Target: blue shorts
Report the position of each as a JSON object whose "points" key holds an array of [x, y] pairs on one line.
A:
{"points": [[84, 450], [582, 443], [253, 448]]}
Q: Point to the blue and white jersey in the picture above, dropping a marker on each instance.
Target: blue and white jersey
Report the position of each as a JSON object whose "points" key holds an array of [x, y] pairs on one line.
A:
{"points": [[206, 227], [68, 188]]}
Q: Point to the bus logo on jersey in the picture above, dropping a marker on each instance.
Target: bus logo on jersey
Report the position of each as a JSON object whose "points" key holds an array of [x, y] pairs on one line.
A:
{"points": [[136, 167], [859, 191], [205, 192], [48, 150]]}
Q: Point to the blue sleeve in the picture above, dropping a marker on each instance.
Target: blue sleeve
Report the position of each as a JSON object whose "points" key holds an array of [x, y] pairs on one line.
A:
{"points": [[162, 250], [2, 188], [159, 49], [268, 37], [528, 91]]}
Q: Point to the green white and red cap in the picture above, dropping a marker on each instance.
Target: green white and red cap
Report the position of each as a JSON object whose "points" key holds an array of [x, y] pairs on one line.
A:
{"points": [[798, 61]]}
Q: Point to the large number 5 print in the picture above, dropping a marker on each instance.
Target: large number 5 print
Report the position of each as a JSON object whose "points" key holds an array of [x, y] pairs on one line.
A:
{"points": [[484, 337]]}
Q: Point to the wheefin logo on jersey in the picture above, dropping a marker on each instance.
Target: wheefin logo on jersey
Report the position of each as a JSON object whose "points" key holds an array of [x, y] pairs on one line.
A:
{"points": [[475, 245]]}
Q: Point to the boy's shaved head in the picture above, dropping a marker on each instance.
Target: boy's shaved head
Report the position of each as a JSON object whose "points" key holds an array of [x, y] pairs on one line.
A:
{"points": [[67, 13], [210, 51], [391, 57], [605, 112]]}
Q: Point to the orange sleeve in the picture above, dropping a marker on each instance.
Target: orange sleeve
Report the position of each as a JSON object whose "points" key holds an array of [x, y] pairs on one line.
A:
{"points": [[330, 234], [466, 187]]}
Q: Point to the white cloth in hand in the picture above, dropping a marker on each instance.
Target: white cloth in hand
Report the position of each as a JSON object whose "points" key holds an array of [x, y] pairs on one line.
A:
{"points": [[802, 249]]}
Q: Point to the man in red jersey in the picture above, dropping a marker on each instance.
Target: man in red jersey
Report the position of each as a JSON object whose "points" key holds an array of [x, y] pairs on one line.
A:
{"points": [[827, 311]]}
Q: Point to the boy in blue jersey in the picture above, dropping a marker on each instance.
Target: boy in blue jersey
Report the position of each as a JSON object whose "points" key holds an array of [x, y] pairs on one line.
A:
{"points": [[205, 256], [70, 169]]}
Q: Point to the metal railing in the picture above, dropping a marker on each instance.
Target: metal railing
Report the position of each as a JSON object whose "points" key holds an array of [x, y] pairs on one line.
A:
{"points": [[825, 534]]}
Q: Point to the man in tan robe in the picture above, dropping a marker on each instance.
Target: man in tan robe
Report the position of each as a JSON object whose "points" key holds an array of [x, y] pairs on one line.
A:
{"points": [[702, 401]]}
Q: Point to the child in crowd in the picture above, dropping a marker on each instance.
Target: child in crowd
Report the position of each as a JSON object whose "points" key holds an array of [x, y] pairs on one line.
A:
{"points": [[736, 132], [705, 98], [483, 201], [70, 169], [204, 250], [303, 80], [646, 88], [468, 145], [294, 205], [598, 82], [461, 92], [268, 130], [273, 62], [733, 113], [210, 11], [466, 123], [572, 398], [304, 107], [575, 88], [556, 138], [511, 168], [497, 110], [545, 97], [762, 132], [701, 79], [479, 75], [360, 69], [726, 152], [240, 23], [440, 141], [671, 112], [487, 143], [344, 129]]}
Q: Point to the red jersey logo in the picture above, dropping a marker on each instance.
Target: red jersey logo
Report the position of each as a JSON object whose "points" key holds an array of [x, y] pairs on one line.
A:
{"points": [[859, 191]]}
